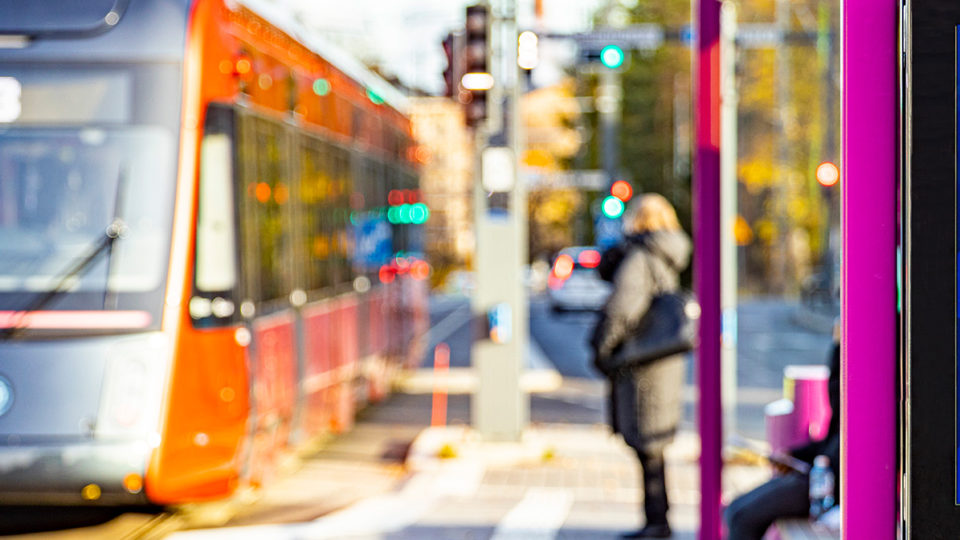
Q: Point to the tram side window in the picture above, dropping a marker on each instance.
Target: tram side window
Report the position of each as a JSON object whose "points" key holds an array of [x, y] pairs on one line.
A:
{"points": [[215, 277], [395, 183], [365, 256], [314, 181], [266, 218], [414, 233], [340, 216]]}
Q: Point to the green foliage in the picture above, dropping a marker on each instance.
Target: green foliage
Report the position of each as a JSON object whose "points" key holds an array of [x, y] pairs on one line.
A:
{"points": [[648, 127]]}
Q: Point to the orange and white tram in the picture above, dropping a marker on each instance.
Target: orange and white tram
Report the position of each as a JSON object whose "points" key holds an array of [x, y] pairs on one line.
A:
{"points": [[197, 272]]}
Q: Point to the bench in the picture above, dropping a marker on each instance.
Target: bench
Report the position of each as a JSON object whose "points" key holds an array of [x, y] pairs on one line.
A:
{"points": [[800, 529], [803, 414]]}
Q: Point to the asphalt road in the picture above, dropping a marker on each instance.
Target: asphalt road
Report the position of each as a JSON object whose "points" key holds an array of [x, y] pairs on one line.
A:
{"points": [[561, 338], [769, 339]]}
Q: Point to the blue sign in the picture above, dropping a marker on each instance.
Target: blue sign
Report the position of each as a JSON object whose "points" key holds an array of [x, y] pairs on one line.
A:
{"points": [[373, 238], [500, 323], [607, 232]]}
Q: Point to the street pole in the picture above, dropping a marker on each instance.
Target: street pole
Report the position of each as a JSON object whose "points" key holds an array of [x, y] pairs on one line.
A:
{"points": [[706, 271], [825, 49], [782, 172], [610, 93], [728, 213], [500, 409]]}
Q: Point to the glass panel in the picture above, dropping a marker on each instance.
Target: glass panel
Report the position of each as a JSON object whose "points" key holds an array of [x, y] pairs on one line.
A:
{"points": [[216, 263], [314, 179], [66, 97], [57, 16], [267, 241], [61, 188], [80, 146], [340, 217]]}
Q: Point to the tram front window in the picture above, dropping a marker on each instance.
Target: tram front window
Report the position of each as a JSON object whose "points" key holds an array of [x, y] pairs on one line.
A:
{"points": [[66, 173]]}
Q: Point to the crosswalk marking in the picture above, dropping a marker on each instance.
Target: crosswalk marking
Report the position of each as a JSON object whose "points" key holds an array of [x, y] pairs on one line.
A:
{"points": [[538, 516], [370, 517]]}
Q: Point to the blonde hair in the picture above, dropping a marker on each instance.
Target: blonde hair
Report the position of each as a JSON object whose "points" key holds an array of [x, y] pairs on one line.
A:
{"points": [[651, 212]]}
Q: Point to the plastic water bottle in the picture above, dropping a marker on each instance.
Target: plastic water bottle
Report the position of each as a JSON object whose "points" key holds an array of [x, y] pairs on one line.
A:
{"points": [[821, 487]]}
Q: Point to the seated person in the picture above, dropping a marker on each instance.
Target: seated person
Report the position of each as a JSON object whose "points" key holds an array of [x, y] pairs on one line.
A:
{"points": [[787, 493]]}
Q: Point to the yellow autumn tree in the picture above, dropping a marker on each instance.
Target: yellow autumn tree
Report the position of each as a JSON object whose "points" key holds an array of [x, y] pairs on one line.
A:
{"points": [[549, 116]]}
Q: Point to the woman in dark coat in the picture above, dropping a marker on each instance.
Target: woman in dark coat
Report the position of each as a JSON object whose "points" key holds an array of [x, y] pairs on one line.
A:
{"points": [[645, 401]]}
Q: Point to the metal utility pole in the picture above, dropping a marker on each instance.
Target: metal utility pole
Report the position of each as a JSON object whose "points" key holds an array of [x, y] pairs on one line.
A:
{"points": [[728, 212], [609, 94], [608, 230], [782, 171], [500, 408], [825, 50]]}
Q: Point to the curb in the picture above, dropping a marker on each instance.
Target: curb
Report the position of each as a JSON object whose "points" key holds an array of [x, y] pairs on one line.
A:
{"points": [[466, 381], [436, 447]]}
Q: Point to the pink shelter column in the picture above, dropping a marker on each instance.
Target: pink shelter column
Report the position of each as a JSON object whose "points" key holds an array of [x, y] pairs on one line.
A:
{"points": [[706, 263], [869, 182]]}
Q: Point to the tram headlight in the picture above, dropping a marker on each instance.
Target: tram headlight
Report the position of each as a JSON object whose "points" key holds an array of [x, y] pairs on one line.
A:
{"points": [[127, 391], [132, 387]]}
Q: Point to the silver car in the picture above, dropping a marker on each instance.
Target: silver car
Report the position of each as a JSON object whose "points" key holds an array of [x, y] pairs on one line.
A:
{"points": [[574, 283]]}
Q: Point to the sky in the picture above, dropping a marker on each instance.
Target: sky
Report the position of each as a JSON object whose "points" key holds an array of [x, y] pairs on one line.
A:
{"points": [[405, 36]]}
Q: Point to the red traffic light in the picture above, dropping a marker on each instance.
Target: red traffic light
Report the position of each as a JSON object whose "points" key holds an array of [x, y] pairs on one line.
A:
{"points": [[621, 190], [828, 174]]}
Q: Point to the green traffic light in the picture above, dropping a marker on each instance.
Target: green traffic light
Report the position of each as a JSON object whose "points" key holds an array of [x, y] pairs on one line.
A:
{"points": [[404, 214], [612, 207], [393, 215], [611, 56], [419, 213]]}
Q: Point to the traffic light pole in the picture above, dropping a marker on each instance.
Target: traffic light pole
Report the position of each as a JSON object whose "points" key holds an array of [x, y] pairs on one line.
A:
{"points": [[728, 214], [609, 96], [500, 408]]}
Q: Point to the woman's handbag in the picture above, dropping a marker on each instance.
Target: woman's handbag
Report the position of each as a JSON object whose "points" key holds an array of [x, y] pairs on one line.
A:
{"points": [[669, 327]]}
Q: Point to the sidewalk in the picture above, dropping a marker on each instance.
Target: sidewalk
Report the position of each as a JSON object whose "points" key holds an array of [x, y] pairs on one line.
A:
{"points": [[569, 478], [561, 481]]}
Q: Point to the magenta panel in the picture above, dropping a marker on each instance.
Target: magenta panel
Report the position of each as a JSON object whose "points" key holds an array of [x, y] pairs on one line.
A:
{"points": [[869, 183]]}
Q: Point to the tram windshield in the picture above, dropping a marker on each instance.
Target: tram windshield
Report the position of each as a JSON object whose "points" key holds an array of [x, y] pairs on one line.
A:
{"points": [[72, 161]]}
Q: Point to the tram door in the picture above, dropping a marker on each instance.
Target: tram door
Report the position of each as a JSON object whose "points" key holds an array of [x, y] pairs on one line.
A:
{"points": [[930, 418]]}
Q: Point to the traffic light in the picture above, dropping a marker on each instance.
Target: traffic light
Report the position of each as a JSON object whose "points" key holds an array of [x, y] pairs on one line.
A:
{"points": [[527, 54], [405, 208], [453, 51], [612, 207], [476, 78], [614, 204], [622, 190], [612, 56], [449, 78], [828, 174], [609, 55]]}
